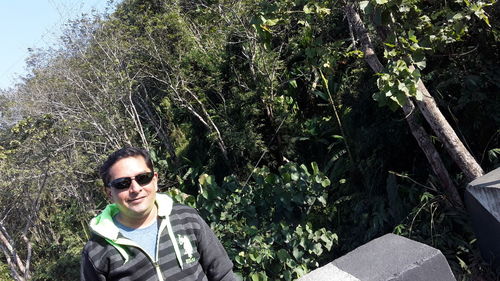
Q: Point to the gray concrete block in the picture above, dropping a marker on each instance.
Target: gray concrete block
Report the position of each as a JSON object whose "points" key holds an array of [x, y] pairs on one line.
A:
{"points": [[388, 258], [482, 199]]}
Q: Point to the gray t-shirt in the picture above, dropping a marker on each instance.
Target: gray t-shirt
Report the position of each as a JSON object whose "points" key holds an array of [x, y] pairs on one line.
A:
{"points": [[145, 237]]}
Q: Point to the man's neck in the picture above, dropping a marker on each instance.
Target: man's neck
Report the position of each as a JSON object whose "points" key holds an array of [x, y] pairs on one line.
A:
{"points": [[139, 222]]}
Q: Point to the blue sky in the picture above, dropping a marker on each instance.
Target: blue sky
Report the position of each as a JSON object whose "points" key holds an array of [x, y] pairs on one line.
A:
{"points": [[34, 24]]}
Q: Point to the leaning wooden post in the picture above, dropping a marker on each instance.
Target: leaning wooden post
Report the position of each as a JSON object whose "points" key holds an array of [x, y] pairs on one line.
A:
{"points": [[421, 136]]}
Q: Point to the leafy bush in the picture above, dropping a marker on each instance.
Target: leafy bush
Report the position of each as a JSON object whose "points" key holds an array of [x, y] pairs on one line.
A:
{"points": [[269, 226]]}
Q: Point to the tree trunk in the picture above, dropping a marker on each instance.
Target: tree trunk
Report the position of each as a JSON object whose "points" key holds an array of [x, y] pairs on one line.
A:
{"points": [[425, 143], [418, 131], [447, 135], [428, 107], [16, 265], [151, 116]]}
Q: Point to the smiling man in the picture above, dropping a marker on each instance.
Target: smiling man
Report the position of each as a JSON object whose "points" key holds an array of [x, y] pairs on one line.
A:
{"points": [[143, 235]]}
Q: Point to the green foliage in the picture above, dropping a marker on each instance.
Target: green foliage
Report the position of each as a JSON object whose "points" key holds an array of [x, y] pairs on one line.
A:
{"points": [[66, 222], [270, 226], [4, 271], [43, 205], [397, 85], [417, 29], [225, 88]]}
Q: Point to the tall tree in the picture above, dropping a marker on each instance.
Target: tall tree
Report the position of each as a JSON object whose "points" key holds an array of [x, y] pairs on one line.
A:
{"points": [[421, 136], [405, 63]]}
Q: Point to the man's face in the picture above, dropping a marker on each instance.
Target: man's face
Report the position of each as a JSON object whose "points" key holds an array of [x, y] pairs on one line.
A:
{"points": [[136, 203]]}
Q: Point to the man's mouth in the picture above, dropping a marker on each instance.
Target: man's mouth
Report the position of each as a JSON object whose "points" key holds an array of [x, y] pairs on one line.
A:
{"points": [[136, 199]]}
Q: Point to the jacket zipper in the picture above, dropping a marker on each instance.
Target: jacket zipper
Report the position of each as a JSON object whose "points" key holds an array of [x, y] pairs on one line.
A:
{"points": [[154, 262]]}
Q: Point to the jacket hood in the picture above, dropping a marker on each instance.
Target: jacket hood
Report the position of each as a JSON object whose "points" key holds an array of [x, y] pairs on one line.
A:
{"points": [[104, 226]]}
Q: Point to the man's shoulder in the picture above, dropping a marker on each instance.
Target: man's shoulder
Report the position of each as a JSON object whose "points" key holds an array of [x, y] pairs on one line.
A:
{"points": [[97, 247], [181, 208], [95, 241], [182, 214]]}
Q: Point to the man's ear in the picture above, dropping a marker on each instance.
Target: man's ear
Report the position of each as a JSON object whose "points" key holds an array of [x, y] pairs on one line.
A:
{"points": [[156, 181], [107, 192]]}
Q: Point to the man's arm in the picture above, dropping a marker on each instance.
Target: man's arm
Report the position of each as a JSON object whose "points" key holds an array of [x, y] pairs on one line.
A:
{"points": [[213, 256]]}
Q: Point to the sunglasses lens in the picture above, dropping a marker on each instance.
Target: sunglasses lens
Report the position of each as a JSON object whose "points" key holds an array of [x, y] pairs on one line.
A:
{"points": [[121, 183], [144, 179]]}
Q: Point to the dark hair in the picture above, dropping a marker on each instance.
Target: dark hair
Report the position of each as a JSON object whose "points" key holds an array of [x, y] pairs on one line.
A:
{"points": [[121, 154]]}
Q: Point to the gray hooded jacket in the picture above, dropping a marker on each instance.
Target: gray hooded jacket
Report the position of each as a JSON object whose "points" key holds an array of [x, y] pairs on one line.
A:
{"points": [[187, 249]]}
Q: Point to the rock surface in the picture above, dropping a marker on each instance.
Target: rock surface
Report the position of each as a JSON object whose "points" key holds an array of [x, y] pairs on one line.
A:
{"points": [[482, 199], [390, 257]]}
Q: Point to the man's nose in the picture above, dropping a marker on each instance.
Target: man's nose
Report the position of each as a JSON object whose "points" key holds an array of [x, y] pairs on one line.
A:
{"points": [[135, 186]]}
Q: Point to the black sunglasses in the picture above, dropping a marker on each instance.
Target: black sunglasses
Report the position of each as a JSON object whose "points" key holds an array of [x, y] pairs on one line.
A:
{"points": [[123, 183]]}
